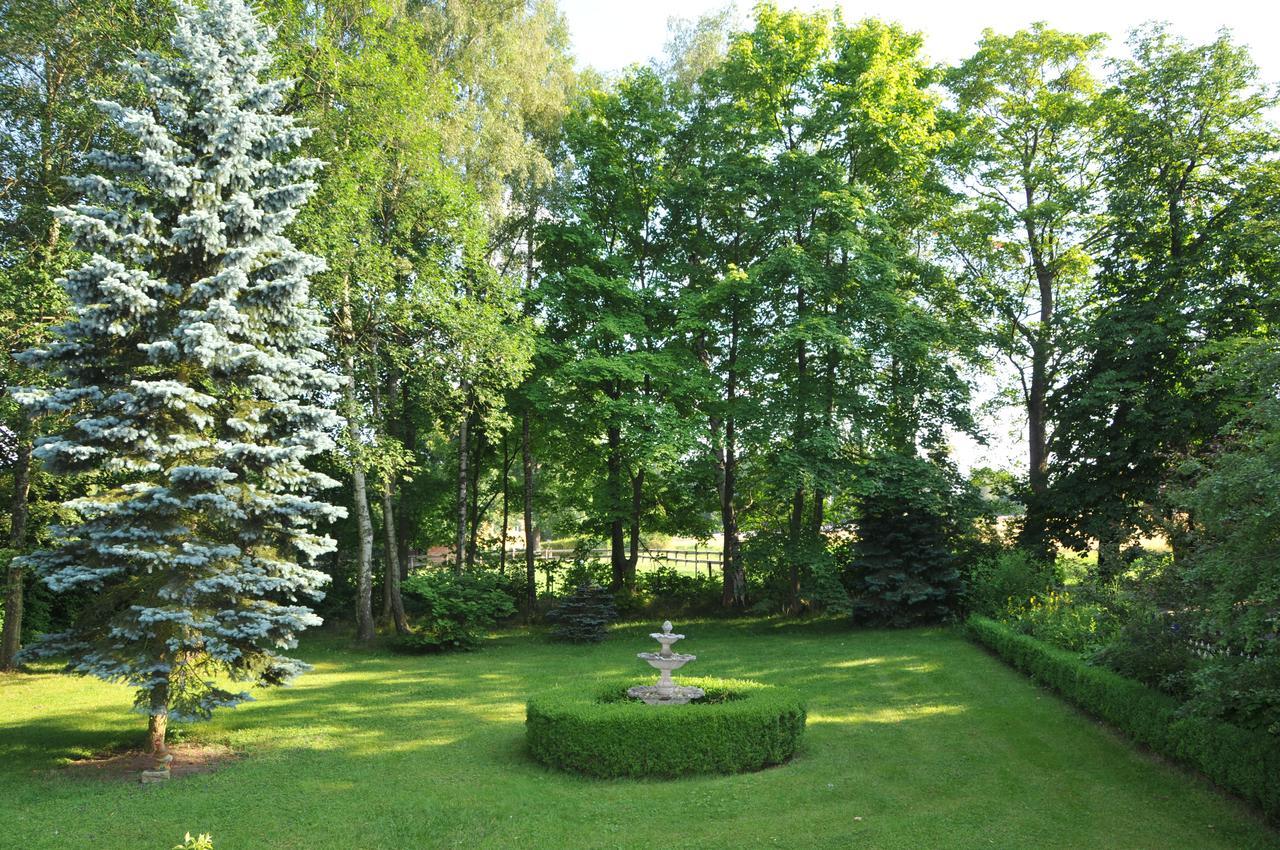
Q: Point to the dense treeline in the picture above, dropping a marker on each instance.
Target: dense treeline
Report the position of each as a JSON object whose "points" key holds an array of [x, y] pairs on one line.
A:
{"points": [[746, 290]]}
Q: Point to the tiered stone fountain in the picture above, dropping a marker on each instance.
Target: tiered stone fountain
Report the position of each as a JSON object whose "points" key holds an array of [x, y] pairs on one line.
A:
{"points": [[666, 692]]}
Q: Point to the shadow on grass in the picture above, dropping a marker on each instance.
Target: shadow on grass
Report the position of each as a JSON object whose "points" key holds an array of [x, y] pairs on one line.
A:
{"points": [[46, 741]]}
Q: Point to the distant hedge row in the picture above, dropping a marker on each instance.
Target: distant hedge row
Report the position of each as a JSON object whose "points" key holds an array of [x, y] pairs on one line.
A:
{"points": [[1240, 760], [595, 730]]}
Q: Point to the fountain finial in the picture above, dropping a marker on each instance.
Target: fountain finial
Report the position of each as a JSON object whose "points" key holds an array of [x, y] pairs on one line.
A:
{"points": [[666, 692]]}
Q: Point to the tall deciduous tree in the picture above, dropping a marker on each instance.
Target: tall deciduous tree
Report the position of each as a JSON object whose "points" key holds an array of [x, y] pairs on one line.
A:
{"points": [[609, 329], [803, 181], [1027, 146], [1192, 191], [193, 382]]}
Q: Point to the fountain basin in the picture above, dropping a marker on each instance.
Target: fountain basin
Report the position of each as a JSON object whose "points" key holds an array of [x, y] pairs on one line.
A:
{"points": [[665, 695]]}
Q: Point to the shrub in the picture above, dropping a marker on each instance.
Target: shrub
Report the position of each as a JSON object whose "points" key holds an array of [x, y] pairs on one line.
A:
{"points": [[1241, 760], [596, 730], [671, 589], [457, 606], [1010, 574], [514, 582], [1231, 574], [574, 574], [585, 616], [768, 556], [902, 569], [1241, 690], [1059, 618], [1151, 648]]}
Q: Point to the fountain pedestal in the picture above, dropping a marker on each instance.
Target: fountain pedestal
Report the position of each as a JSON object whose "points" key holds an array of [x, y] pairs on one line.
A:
{"points": [[666, 691]]}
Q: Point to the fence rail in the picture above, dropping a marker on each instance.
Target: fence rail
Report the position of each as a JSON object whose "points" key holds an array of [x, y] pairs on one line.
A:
{"points": [[709, 559]]}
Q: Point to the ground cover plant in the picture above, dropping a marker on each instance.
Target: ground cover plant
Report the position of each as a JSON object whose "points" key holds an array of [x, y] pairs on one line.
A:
{"points": [[914, 739]]}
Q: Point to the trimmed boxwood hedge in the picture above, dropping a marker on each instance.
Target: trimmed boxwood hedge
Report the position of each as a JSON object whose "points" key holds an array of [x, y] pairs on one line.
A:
{"points": [[1240, 760], [596, 730]]}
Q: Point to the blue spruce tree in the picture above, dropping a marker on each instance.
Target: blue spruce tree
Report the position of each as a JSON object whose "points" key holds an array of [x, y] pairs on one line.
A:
{"points": [[193, 384]]}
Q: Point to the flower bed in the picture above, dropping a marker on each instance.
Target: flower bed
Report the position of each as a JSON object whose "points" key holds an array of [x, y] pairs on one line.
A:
{"points": [[598, 731]]}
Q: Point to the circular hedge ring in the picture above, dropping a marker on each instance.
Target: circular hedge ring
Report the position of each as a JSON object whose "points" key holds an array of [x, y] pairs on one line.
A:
{"points": [[598, 731]]}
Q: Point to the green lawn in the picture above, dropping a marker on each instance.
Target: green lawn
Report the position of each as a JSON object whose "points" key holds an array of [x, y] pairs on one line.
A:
{"points": [[916, 739]]}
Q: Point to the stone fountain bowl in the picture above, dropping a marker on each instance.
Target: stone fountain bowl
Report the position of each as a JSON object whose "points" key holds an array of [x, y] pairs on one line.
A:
{"points": [[736, 726]]}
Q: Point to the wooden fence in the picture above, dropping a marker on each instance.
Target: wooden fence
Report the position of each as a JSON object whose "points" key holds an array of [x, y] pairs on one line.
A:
{"points": [[708, 560]]}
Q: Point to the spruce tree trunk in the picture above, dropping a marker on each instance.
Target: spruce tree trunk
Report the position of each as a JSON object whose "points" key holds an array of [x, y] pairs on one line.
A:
{"points": [[460, 535], [11, 638], [530, 544], [158, 723]]}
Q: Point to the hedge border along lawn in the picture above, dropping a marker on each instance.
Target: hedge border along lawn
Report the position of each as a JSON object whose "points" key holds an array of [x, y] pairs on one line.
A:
{"points": [[597, 731], [1240, 760]]}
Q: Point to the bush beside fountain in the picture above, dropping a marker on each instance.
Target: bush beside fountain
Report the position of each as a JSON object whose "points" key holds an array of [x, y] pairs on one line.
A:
{"points": [[622, 728]]}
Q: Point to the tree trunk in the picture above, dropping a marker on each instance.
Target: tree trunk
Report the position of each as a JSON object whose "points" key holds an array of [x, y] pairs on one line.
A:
{"points": [[386, 571], [1109, 559], [11, 638], [473, 509], [391, 579], [506, 470], [617, 538], [364, 525], [460, 538], [158, 724], [359, 487], [530, 544], [637, 501], [733, 593], [801, 435], [409, 438], [1035, 530], [390, 567], [797, 548], [1035, 533], [828, 423]]}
